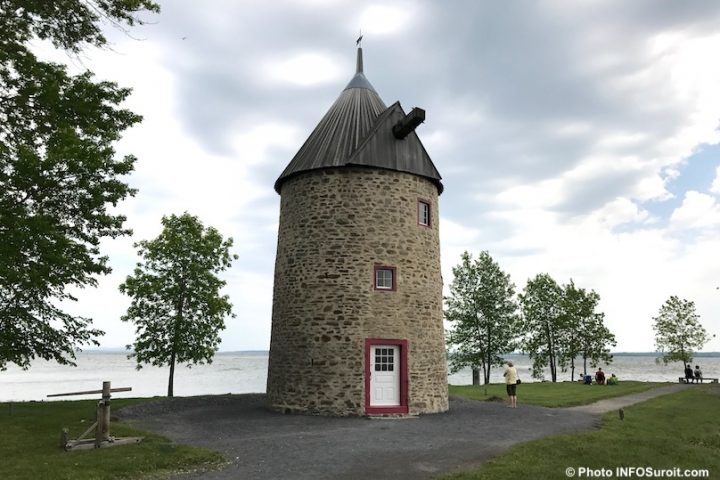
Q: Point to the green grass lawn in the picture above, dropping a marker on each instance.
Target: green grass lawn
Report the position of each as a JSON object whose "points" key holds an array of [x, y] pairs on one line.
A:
{"points": [[30, 437], [680, 430], [548, 394]]}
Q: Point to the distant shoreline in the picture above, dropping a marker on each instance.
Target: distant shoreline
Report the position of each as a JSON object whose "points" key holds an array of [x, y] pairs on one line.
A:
{"points": [[266, 352], [122, 350], [657, 354]]}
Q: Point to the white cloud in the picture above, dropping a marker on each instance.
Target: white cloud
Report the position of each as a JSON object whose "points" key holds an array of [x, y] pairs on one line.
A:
{"points": [[691, 80], [618, 212], [252, 145], [455, 238], [382, 19], [698, 210], [715, 188], [634, 272], [305, 69]]}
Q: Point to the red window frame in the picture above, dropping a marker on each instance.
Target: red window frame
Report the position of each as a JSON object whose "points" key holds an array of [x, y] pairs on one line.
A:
{"points": [[403, 346], [394, 278], [422, 201]]}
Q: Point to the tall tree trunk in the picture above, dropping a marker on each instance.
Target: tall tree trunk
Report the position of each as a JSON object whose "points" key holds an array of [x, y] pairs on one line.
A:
{"points": [[489, 355], [551, 352], [172, 374], [686, 358], [176, 327], [572, 369], [551, 362], [478, 341], [584, 366], [553, 365], [476, 376]]}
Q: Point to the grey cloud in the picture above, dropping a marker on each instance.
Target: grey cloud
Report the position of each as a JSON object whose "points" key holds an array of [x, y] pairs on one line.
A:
{"points": [[593, 193], [522, 65]]}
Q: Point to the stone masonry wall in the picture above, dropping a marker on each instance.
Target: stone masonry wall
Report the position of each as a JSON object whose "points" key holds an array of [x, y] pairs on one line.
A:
{"points": [[335, 225]]}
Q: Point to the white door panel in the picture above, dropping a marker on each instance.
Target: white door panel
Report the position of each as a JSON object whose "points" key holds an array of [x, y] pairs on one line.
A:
{"points": [[384, 375]]}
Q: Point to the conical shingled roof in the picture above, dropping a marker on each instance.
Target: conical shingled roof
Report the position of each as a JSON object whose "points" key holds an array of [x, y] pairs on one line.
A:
{"points": [[357, 131]]}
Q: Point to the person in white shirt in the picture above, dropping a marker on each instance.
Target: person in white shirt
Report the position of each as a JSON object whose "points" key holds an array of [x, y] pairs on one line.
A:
{"points": [[698, 374]]}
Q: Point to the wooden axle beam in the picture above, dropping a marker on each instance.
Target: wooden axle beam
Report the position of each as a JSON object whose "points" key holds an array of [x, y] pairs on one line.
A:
{"points": [[90, 444], [409, 123]]}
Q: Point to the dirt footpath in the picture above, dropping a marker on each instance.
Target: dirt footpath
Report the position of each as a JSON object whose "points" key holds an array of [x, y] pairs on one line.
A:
{"points": [[265, 445], [610, 404]]}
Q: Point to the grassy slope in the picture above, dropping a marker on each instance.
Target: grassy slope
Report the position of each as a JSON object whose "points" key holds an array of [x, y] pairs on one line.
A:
{"points": [[29, 445], [547, 394], [680, 430]]}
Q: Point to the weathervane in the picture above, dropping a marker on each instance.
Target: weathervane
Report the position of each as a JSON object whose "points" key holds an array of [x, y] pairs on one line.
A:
{"points": [[359, 40]]}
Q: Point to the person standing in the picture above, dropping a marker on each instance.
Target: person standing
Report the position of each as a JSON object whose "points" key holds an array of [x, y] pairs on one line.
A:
{"points": [[511, 380]]}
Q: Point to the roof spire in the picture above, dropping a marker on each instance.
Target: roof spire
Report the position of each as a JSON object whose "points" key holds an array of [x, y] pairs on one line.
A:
{"points": [[358, 42], [359, 80]]}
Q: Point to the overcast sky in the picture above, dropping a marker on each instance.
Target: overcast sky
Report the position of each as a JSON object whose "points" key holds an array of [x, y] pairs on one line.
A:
{"points": [[574, 138]]}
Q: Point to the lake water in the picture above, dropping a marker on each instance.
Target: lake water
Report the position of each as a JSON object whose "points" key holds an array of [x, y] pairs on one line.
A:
{"points": [[246, 372]]}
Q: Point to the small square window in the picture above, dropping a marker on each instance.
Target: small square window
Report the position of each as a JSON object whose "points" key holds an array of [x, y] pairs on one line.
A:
{"points": [[423, 213], [384, 278]]}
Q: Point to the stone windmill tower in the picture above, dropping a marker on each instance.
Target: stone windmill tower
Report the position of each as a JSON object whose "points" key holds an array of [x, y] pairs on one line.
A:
{"points": [[357, 304]]}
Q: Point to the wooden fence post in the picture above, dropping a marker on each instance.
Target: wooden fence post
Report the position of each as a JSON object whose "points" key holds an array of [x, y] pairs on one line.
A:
{"points": [[106, 411], [98, 428]]}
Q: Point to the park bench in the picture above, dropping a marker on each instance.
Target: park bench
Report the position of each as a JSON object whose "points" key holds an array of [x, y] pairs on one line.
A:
{"points": [[695, 380]]}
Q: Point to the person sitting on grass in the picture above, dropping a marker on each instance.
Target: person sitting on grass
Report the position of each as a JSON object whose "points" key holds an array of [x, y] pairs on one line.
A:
{"points": [[613, 380], [698, 374], [688, 373], [600, 377]]}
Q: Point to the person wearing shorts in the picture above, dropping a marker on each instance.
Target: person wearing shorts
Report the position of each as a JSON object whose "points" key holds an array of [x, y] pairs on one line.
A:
{"points": [[511, 378]]}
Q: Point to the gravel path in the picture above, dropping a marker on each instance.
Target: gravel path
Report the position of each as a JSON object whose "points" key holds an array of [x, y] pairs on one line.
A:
{"points": [[265, 445]]}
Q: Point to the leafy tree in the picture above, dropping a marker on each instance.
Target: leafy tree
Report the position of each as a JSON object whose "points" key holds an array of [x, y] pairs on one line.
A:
{"points": [[482, 308], [58, 173], [596, 342], [584, 333], [574, 306], [678, 332], [176, 305], [541, 305]]}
